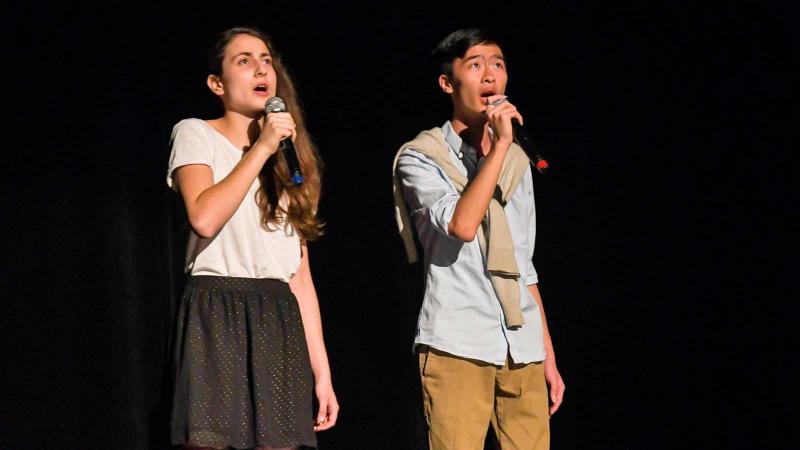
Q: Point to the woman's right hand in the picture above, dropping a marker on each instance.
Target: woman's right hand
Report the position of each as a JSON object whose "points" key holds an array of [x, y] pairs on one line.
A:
{"points": [[275, 127]]}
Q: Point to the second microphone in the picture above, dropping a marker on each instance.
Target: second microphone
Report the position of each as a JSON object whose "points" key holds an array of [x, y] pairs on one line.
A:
{"points": [[276, 104]]}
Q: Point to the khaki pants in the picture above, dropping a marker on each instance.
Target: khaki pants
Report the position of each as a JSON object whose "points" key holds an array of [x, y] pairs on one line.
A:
{"points": [[462, 396]]}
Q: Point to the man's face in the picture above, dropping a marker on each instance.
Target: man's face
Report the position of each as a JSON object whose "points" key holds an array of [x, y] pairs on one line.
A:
{"points": [[480, 73]]}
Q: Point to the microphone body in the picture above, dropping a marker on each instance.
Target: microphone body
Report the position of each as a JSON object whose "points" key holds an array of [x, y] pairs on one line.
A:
{"points": [[527, 144], [276, 104]]}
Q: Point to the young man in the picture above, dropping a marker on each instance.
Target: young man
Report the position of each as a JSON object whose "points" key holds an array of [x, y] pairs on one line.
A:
{"points": [[485, 353]]}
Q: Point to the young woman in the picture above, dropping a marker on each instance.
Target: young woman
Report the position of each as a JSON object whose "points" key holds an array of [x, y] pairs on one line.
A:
{"points": [[249, 346]]}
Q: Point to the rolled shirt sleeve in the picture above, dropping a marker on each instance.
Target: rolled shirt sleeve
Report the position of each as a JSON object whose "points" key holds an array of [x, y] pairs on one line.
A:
{"points": [[427, 190], [532, 277]]}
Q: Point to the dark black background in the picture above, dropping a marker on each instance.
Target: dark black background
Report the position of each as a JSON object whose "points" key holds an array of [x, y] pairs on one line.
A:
{"points": [[664, 225]]}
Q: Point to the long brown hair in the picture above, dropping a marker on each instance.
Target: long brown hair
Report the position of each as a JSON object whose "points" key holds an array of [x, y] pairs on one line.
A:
{"points": [[279, 200]]}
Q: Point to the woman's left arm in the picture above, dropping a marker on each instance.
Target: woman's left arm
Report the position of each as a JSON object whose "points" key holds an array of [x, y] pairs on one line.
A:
{"points": [[302, 287]]}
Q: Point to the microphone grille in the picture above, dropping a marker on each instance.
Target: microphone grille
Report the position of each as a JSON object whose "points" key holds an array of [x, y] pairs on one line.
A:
{"points": [[275, 104]]}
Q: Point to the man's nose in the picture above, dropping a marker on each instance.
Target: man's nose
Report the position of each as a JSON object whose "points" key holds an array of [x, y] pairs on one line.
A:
{"points": [[488, 75]]}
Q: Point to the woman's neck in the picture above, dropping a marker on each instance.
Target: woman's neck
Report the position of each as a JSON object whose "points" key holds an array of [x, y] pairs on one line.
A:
{"points": [[240, 129]]}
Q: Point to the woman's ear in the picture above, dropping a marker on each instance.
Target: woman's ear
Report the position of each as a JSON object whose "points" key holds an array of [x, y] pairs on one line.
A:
{"points": [[444, 83], [215, 84]]}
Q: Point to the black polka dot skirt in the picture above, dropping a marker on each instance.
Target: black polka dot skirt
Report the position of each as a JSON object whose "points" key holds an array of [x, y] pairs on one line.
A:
{"points": [[243, 377]]}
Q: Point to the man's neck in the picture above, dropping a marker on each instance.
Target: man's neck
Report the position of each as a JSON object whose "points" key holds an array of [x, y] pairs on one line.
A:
{"points": [[474, 133]]}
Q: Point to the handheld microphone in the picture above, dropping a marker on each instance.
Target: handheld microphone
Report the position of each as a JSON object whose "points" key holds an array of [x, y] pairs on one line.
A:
{"points": [[276, 104], [527, 144], [524, 141]]}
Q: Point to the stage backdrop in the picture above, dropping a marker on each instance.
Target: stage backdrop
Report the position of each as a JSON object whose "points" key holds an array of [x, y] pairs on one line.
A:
{"points": [[663, 226]]}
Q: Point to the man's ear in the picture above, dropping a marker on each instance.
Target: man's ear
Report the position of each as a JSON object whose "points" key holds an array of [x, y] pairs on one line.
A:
{"points": [[445, 84], [215, 84]]}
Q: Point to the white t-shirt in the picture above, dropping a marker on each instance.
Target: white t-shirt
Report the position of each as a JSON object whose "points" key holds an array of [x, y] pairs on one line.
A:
{"points": [[243, 247]]}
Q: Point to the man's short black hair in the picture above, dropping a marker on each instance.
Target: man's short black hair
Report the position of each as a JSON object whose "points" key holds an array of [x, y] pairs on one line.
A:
{"points": [[456, 44]]}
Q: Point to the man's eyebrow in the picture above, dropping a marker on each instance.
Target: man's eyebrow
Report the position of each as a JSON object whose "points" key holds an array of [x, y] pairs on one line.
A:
{"points": [[495, 56]]}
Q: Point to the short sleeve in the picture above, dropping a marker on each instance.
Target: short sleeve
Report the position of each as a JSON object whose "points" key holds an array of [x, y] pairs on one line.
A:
{"points": [[190, 145]]}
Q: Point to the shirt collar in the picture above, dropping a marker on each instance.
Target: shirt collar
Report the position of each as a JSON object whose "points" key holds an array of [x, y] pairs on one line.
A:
{"points": [[465, 153]]}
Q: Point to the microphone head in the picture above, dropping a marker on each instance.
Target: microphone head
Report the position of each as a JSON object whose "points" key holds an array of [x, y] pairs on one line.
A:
{"points": [[275, 104]]}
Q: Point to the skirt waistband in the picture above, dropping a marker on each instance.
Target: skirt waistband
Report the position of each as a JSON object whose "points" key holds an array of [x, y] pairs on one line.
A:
{"points": [[237, 284]]}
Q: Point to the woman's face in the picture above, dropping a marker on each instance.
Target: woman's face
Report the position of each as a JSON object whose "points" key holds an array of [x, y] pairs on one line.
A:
{"points": [[248, 76]]}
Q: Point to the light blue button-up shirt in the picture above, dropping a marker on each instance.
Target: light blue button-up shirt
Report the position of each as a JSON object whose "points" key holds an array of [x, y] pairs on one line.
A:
{"points": [[461, 313]]}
